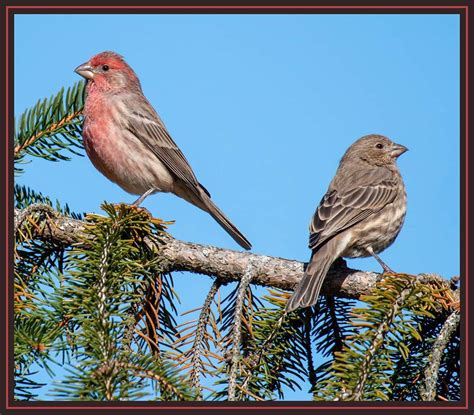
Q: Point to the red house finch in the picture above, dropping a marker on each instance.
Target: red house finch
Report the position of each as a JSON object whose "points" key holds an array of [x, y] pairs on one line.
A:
{"points": [[360, 215], [127, 142]]}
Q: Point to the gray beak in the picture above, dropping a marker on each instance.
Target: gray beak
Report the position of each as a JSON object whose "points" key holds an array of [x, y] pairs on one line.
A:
{"points": [[85, 70], [398, 150]]}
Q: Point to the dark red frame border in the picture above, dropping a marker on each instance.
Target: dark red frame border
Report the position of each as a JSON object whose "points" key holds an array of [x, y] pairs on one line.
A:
{"points": [[6, 401]]}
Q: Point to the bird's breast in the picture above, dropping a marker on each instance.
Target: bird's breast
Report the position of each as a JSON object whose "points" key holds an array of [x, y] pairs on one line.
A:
{"points": [[121, 156], [379, 230]]}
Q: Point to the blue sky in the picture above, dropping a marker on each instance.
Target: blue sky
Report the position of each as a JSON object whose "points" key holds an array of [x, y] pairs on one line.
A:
{"points": [[263, 107]]}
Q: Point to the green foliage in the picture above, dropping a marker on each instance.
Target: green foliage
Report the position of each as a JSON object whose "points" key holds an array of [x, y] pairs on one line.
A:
{"points": [[282, 362], [51, 127], [408, 372], [38, 267], [37, 333], [104, 309], [386, 330], [449, 377], [25, 386], [330, 326], [25, 196], [105, 284], [197, 342], [270, 360], [103, 306]]}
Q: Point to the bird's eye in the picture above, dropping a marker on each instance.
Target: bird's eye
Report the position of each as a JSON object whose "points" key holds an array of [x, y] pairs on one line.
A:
{"points": [[379, 145], [105, 67]]}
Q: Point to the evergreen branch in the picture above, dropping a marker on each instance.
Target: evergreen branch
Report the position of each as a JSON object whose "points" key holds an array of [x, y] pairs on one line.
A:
{"points": [[25, 386], [151, 311], [121, 257], [331, 324], [378, 339], [50, 130], [103, 314], [385, 326], [51, 126], [230, 265], [108, 273], [428, 387], [157, 312], [154, 375], [308, 346], [247, 392], [196, 361], [449, 373], [236, 332], [24, 214], [408, 372], [338, 338], [52, 226], [25, 197], [255, 360], [279, 345]]}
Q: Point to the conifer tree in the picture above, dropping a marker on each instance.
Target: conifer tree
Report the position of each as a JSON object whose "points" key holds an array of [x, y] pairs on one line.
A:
{"points": [[95, 294]]}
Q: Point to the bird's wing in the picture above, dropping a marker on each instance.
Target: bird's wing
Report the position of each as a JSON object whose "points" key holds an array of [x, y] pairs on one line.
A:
{"points": [[150, 130], [146, 126], [339, 210]]}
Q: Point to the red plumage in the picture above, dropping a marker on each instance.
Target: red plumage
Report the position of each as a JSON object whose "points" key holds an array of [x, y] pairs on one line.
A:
{"points": [[128, 142]]}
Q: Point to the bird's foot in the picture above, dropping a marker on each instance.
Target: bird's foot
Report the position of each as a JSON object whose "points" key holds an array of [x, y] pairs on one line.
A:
{"points": [[120, 205], [141, 210], [387, 269], [140, 200], [132, 206]]}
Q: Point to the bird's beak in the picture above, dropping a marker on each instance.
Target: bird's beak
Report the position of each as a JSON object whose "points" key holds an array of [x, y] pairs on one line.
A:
{"points": [[398, 150], [85, 70]]}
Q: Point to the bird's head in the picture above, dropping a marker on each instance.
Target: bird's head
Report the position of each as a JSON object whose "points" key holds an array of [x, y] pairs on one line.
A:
{"points": [[375, 149], [107, 71]]}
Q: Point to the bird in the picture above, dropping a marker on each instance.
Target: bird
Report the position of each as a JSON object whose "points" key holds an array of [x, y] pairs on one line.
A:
{"points": [[128, 143], [360, 215]]}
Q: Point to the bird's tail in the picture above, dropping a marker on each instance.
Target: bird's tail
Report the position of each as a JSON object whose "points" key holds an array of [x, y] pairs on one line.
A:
{"points": [[307, 291], [219, 216]]}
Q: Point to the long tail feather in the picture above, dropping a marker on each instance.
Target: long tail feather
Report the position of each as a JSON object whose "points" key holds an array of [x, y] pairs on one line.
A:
{"points": [[307, 291], [219, 216]]}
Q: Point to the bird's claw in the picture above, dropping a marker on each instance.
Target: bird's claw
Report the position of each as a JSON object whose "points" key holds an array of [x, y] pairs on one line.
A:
{"points": [[132, 206], [388, 270], [141, 209]]}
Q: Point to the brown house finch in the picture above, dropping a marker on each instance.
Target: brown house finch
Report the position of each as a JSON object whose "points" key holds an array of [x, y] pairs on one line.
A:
{"points": [[360, 215], [127, 142]]}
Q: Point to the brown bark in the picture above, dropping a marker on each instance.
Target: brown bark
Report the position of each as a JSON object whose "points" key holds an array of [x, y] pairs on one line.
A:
{"points": [[226, 264]]}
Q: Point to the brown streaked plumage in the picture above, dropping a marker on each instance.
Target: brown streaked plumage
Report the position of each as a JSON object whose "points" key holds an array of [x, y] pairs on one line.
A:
{"points": [[128, 142], [360, 215]]}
